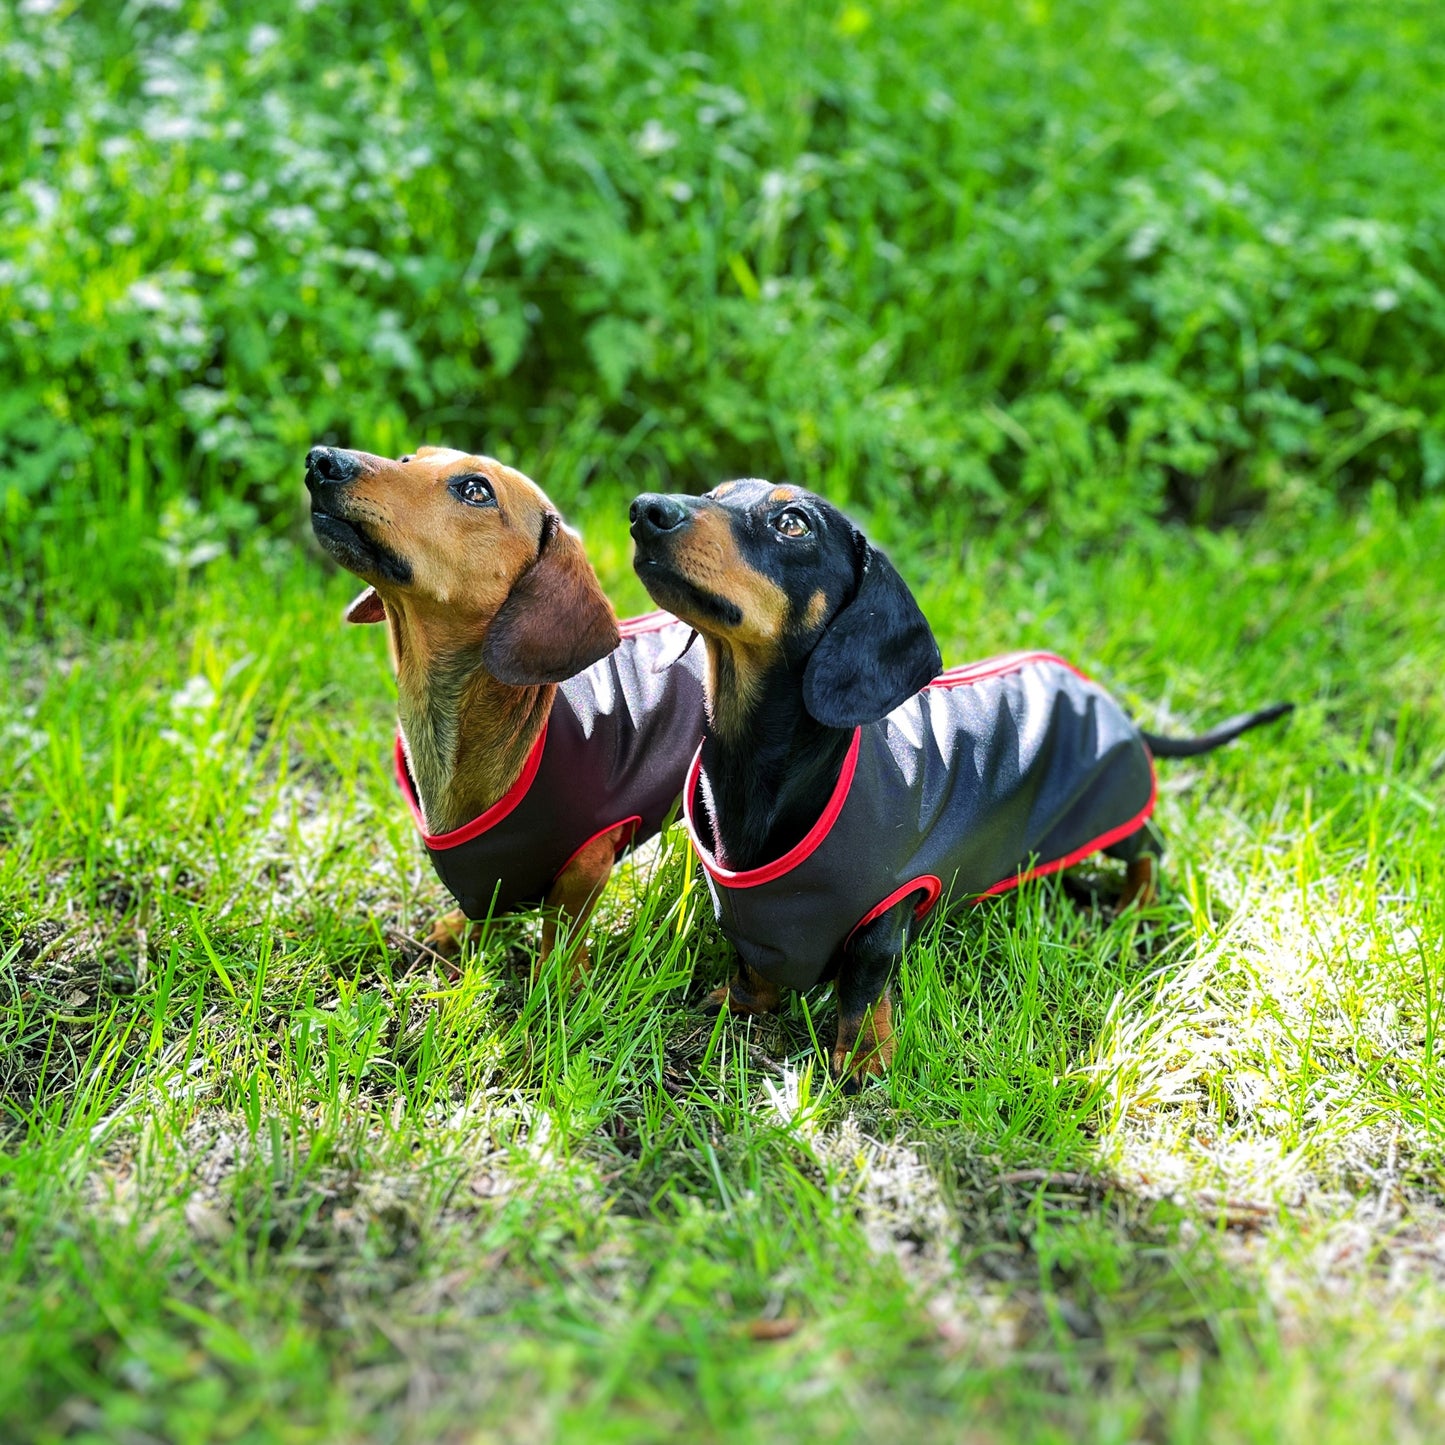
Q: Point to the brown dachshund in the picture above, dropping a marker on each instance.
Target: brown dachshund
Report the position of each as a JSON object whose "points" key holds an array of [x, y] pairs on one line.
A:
{"points": [[536, 740], [845, 785]]}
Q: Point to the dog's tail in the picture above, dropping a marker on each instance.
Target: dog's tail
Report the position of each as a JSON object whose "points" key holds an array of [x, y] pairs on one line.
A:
{"points": [[1226, 732]]}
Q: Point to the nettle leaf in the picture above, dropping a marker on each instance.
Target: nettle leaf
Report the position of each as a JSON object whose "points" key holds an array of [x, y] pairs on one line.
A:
{"points": [[1432, 453], [504, 327], [618, 348], [34, 446]]}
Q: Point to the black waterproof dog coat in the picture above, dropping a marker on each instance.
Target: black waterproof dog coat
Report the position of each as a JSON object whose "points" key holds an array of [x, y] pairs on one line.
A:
{"points": [[996, 772], [614, 751]]}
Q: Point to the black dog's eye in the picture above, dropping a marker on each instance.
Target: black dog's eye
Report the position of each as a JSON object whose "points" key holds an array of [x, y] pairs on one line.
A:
{"points": [[792, 523], [474, 491]]}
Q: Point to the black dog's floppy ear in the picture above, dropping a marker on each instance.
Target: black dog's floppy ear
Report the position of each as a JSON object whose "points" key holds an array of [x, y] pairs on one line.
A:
{"points": [[366, 608], [877, 652], [556, 619]]}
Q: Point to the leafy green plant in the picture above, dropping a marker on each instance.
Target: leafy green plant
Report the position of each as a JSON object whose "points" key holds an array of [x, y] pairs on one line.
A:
{"points": [[1092, 262]]}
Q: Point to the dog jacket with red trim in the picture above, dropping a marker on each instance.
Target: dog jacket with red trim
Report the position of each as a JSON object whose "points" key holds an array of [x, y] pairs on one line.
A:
{"points": [[996, 772], [614, 750]]}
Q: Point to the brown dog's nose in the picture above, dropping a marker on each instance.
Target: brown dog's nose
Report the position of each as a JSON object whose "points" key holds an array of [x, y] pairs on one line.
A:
{"points": [[652, 514], [329, 464]]}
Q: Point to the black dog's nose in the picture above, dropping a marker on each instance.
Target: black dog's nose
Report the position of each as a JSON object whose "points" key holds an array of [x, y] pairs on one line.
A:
{"points": [[652, 514], [329, 464]]}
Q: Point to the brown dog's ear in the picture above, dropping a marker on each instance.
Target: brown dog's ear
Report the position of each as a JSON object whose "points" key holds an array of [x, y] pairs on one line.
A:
{"points": [[556, 619], [877, 652], [366, 608]]}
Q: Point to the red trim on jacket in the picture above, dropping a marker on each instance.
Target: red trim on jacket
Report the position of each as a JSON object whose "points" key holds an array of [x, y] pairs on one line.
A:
{"points": [[995, 667], [952, 677], [632, 824], [751, 877], [648, 622], [1114, 835], [494, 815], [932, 887]]}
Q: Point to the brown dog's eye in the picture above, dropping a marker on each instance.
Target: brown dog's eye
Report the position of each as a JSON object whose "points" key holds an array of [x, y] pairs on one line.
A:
{"points": [[474, 491], [792, 523]]}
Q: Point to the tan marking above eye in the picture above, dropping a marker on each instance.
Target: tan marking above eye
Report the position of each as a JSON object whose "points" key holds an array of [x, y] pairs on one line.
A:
{"points": [[781, 494], [723, 490]]}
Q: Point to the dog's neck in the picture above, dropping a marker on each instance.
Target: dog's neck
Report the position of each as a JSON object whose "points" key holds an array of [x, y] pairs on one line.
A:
{"points": [[768, 767], [467, 736]]}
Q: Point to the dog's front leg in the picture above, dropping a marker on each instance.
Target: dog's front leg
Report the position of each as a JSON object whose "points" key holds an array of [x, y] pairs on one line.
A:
{"points": [[747, 994], [574, 895], [1140, 853], [447, 935], [864, 1046], [1141, 883]]}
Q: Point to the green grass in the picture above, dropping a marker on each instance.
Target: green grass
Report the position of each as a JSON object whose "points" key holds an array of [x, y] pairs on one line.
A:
{"points": [[265, 1177]]}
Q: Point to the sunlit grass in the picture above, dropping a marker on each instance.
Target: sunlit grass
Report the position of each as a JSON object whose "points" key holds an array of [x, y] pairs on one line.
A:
{"points": [[267, 1174]]}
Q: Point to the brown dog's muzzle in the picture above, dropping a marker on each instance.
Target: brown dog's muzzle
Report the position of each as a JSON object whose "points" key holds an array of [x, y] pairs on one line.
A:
{"points": [[329, 472], [330, 466]]}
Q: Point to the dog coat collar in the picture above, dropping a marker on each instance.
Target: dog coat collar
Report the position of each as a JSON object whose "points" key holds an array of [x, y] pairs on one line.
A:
{"points": [[996, 772], [613, 752]]}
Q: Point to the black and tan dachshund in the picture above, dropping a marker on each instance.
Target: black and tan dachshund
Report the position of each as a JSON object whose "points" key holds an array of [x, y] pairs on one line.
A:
{"points": [[844, 784]]}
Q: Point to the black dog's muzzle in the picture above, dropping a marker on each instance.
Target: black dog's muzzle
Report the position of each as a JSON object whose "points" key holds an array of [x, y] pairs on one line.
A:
{"points": [[655, 517], [658, 522]]}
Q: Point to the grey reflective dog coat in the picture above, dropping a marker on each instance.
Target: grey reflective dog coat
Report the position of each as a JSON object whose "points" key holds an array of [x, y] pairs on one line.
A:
{"points": [[614, 751], [996, 772]]}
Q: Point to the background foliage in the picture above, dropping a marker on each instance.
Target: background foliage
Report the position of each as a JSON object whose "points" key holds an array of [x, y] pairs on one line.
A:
{"points": [[1106, 260]]}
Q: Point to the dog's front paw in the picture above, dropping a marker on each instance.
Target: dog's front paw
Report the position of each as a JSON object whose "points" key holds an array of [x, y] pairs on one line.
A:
{"points": [[856, 1066], [443, 943], [715, 1002], [864, 1047], [447, 933]]}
